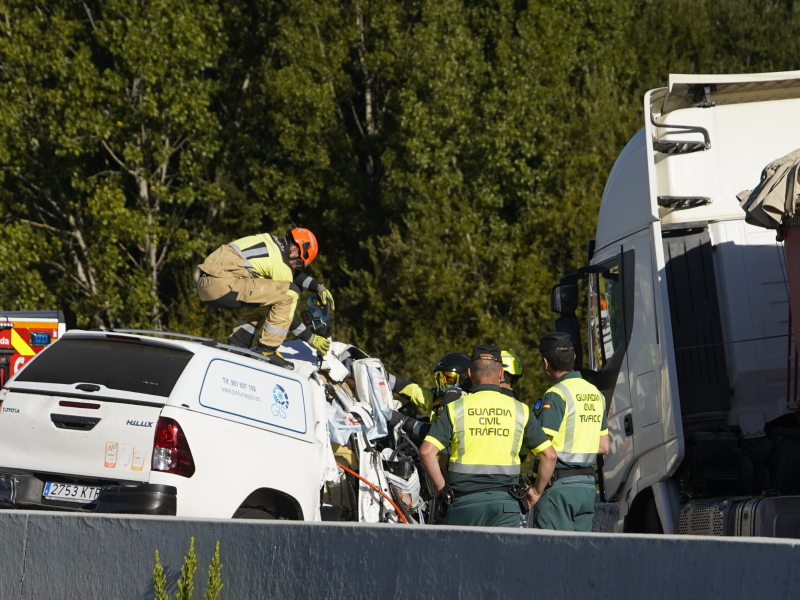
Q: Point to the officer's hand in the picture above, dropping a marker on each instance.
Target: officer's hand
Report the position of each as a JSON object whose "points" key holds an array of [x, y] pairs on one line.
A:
{"points": [[325, 296], [532, 497], [438, 493], [320, 343]]}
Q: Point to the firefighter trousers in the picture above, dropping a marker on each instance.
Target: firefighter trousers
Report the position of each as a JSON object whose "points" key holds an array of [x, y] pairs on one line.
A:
{"points": [[267, 305]]}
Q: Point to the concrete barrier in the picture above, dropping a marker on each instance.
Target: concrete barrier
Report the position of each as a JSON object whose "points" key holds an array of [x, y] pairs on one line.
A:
{"points": [[57, 555]]}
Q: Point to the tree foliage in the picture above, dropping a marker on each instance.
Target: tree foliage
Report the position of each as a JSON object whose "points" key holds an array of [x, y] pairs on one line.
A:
{"points": [[450, 155], [109, 138]]}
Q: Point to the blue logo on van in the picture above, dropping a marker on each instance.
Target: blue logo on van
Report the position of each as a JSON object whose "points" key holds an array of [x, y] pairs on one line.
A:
{"points": [[281, 403]]}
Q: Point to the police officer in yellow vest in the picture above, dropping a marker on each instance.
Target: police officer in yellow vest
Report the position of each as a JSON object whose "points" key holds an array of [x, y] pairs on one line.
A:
{"points": [[485, 430], [573, 416], [255, 273]]}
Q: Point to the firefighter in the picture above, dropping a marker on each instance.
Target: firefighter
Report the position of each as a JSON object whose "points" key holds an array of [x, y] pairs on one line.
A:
{"points": [[255, 273], [484, 431], [512, 371], [573, 416]]}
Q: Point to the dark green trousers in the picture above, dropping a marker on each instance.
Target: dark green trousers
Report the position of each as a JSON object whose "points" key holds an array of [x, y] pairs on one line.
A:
{"points": [[568, 505], [488, 509]]}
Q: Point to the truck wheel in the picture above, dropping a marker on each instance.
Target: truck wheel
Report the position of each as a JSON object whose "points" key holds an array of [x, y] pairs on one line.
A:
{"points": [[252, 513], [643, 517]]}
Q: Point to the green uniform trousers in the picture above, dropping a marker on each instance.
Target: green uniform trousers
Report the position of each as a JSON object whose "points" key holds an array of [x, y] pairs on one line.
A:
{"points": [[567, 505], [488, 509]]}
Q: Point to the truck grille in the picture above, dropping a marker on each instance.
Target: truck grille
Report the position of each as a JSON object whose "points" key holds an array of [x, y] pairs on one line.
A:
{"points": [[701, 517]]}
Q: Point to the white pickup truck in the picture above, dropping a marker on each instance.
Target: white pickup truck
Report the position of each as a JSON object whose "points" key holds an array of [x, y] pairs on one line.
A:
{"points": [[121, 422]]}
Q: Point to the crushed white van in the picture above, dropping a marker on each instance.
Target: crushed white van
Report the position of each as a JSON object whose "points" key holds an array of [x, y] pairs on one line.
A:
{"points": [[121, 422]]}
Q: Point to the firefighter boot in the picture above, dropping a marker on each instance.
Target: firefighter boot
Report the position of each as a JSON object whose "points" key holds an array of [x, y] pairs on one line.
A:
{"points": [[274, 357]]}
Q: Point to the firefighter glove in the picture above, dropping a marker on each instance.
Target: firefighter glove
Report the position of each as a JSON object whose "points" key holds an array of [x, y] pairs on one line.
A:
{"points": [[320, 343], [325, 296]]}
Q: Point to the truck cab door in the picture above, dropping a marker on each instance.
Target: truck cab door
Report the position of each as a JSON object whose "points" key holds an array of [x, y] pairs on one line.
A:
{"points": [[610, 300], [628, 315]]}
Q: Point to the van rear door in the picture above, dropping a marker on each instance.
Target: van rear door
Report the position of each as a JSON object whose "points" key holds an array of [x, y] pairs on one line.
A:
{"points": [[88, 406]]}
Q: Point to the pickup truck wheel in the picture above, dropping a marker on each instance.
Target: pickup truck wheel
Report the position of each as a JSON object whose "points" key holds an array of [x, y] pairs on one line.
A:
{"points": [[252, 513]]}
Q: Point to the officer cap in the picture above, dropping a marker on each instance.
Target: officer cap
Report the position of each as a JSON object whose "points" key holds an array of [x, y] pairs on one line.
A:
{"points": [[555, 340], [486, 352]]}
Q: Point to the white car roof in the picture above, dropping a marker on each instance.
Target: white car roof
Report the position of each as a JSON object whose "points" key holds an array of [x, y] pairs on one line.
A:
{"points": [[196, 345]]}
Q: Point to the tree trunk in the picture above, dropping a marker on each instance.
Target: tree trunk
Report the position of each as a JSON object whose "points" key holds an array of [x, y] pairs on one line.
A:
{"points": [[151, 252]]}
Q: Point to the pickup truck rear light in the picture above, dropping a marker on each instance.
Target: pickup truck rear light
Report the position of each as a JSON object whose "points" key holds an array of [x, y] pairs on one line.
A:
{"points": [[171, 453]]}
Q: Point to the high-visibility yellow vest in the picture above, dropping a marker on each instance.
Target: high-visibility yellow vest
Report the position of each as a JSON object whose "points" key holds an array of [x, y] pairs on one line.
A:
{"points": [[263, 257], [487, 433], [578, 438]]}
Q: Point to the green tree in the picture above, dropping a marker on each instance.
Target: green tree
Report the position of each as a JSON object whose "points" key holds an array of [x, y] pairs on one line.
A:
{"points": [[436, 149], [449, 155], [108, 142]]}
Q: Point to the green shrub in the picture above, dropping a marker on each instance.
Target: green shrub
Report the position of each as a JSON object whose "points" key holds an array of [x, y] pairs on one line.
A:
{"points": [[186, 582], [214, 577], [160, 581]]}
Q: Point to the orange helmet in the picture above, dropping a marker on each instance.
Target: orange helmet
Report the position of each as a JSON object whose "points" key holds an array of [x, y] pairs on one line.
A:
{"points": [[306, 242]]}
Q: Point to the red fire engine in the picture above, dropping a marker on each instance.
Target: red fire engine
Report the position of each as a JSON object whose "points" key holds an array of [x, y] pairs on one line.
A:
{"points": [[23, 334]]}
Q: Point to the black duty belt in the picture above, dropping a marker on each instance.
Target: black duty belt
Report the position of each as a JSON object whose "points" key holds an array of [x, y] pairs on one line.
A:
{"points": [[517, 492], [562, 473]]}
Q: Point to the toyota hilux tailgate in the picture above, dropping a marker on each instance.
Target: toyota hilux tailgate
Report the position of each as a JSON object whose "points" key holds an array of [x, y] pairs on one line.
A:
{"points": [[88, 407]]}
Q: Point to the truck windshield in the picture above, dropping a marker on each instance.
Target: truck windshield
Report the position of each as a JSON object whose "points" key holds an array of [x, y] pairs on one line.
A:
{"points": [[116, 364]]}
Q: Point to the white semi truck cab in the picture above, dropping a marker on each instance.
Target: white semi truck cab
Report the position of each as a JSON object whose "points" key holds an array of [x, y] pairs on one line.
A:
{"points": [[688, 315]]}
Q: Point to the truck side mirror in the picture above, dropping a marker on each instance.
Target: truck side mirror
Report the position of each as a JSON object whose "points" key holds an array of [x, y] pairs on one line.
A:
{"points": [[564, 298]]}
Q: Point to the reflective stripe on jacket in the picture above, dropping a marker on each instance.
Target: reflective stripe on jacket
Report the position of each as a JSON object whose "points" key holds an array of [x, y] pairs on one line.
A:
{"points": [[264, 256], [487, 433], [578, 438]]}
